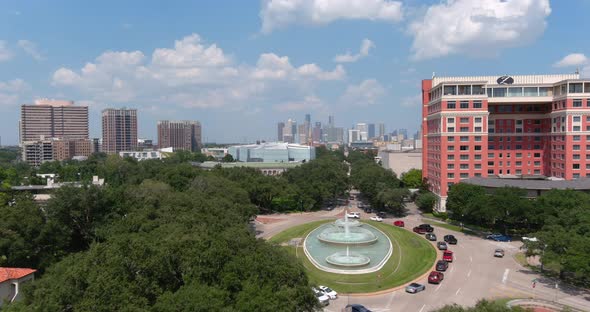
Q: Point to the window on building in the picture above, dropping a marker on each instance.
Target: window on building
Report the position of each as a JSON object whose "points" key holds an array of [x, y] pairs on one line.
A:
{"points": [[577, 103], [490, 171], [477, 166], [490, 155], [537, 163], [464, 175], [477, 129], [515, 91], [464, 129], [464, 147], [519, 163], [450, 148], [537, 155], [577, 118], [464, 104], [451, 104], [464, 157], [499, 92], [490, 163], [450, 129], [576, 156], [477, 138], [464, 90], [450, 90], [530, 91], [518, 146], [537, 171], [450, 157], [477, 104], [576, 147], [576, 138], [464, 166], [464, 139], [477, 156], [576, 166], [450, 175], [518, 155], [451, 120], [576, 88], [464, 120], [478, 147], [451, 139], [450, 166]]}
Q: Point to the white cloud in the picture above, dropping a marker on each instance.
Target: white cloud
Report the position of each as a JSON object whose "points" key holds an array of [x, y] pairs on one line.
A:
{"points": [[574, 59], [366, 46], [280, 13], [5, 53], [364, 94], [412, 101], [11, 92], [309, 103], [31, 49], [193, 74], [477, 27]]}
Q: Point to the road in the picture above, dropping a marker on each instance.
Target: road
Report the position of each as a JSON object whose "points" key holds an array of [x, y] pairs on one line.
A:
{"points": [[473, 275]]}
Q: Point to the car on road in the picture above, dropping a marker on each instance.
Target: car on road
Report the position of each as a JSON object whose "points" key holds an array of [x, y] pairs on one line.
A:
{"points": [[493, 235], [450, 239], [415, 288], [419, 230], [381, 214], [354, 215], [499, 253], [399, 223], [426, 227], [447, 256], [442, 265], [356, 308], [328, 292], [502, 238], [376, 218], [441, 246], [431, 237], [435, 277], [322, 298]]}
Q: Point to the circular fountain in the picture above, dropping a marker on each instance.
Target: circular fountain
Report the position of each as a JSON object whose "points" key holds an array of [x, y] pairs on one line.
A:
{"points": [[348, 247]]}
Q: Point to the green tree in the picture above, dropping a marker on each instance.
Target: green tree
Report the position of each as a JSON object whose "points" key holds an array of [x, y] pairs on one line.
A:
{"points": [[426, 201], [393, 200], [412, 179]]}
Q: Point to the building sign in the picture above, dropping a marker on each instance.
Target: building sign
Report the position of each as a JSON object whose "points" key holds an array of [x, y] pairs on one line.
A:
{"points": [[505, 80]]}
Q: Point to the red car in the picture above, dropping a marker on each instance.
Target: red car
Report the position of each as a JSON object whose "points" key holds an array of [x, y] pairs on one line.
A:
{"points": [[419, 230], [447, 256], [399, 223], [435, 277]]}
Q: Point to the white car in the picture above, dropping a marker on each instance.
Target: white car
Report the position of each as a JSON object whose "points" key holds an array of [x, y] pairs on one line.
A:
{"points": [[322, 297], [354, 215], [377, 218], [329, 292]]}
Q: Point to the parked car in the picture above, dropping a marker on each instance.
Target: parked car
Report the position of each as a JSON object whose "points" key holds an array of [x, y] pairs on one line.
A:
{"points": [[499, 253], [450, 239], [441, 246], [426, 227], [431, 237], [415, 288], [448, 256], [399, 223], [354, 215], [381, 214], [322, 298], [351, 197], [435, 277], [419, 230], [493, 235], [442, 265], [356, 308], [328, 292], [502, 238]]}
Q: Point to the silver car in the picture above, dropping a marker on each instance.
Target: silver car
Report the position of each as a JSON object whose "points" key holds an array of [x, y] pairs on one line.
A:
{"points": [[415, 288]]}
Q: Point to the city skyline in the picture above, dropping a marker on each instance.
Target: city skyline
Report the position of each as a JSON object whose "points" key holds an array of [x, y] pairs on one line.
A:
{"points": [[238, 80]]}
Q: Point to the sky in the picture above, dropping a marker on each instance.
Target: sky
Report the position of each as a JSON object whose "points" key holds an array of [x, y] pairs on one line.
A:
{"points": [[241, 66]]}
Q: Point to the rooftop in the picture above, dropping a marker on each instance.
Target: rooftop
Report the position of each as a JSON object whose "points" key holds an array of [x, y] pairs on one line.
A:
{"points": [[518, 79], [273, 145], [7, 274], [531, 184], [258, 165]]}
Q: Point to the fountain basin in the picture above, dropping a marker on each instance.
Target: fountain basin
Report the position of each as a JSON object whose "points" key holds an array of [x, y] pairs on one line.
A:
{"points": [[348, 259], [354, 236]]}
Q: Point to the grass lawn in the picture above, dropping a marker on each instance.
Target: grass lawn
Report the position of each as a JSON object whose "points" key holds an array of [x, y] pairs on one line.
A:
{"points": [[412, 256]]}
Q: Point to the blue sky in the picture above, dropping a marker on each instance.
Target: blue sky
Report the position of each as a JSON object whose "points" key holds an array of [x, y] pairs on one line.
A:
{"points": [[241, 66]]}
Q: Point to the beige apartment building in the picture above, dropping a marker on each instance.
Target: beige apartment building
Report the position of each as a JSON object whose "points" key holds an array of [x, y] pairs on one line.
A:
{"points": [[119, 130]]}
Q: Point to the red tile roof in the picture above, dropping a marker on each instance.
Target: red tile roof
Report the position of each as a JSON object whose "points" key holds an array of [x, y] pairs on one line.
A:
{"points": [[14, 273]]}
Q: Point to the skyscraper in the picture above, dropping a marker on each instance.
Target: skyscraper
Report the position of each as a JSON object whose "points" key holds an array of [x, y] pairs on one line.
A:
{"points": [[363, 131], [353, 135], [180, 135], [371, 131], [308, 118], [290, 131], [381, 130], [53, 119], [331, 122], [316, 133], [280, 127], [119, 130]]}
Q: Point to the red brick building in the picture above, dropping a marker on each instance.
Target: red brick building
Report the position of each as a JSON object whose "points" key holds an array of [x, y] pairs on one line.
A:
{"points": [[533, 125]]}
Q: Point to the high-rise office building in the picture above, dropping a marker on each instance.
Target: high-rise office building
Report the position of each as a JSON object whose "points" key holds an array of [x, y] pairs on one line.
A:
{"points": [[308, 118], [303, 134], [363, 131], [371, 131], [402, 134], [280, 127], [53, 119], [179, 134], [119, 130], [316, 133], [354, 135], [290, 131], [331, 122], [381, 130], [510, 125]]}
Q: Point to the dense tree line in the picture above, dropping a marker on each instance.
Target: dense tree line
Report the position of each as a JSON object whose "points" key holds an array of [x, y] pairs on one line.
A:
{"points": [[160, 235], [559, 219], [481, 306], [379, 186]]}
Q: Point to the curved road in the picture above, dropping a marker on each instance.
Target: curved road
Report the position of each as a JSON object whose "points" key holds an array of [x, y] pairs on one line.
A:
{"points": [[474, 273]]}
